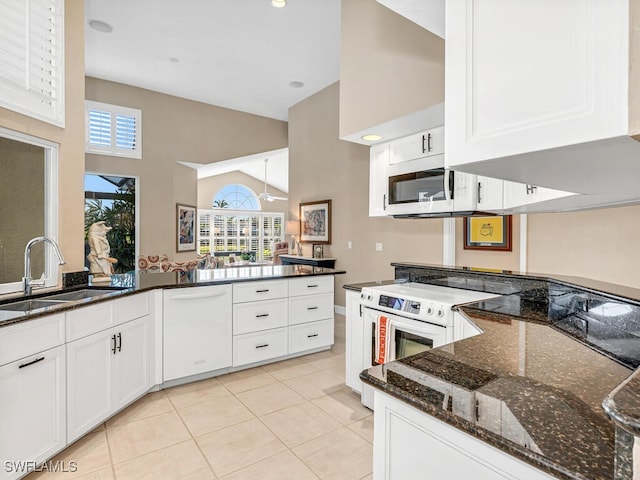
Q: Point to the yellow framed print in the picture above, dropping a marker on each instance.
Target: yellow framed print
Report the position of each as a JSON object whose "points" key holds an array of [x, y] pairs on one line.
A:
{"points": [[487, 233]]}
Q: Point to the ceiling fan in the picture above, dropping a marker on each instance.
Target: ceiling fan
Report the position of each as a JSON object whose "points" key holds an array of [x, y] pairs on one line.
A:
{"points": [[265, 195]]}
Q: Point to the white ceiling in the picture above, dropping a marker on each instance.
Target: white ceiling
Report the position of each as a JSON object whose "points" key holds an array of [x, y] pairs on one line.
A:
{"points": [[238, 54]]}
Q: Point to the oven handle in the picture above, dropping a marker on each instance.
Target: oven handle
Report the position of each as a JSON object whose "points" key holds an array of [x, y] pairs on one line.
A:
{"points": [[409, 325]]}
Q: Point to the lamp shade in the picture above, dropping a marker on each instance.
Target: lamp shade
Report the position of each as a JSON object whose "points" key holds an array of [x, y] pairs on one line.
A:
{"points": [[293, 227]]}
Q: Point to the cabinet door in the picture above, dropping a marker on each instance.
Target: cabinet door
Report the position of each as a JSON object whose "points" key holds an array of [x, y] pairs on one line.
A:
{"points": [[418, 145], [354, 341], [520, 194], [510, 90], [32, 416], [197, 330], [131, 369], [378, 163], [489, 194], [89, 382]]}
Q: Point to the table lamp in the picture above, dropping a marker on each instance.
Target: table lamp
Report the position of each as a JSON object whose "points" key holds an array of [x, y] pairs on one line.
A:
{"points": [[292, 229]]}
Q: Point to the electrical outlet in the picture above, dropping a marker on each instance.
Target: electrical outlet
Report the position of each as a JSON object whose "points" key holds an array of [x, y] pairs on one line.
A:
{"points": [[378, 247], [349, 244]]}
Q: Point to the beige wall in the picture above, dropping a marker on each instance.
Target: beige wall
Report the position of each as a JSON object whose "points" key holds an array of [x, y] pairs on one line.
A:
{"points": [[489, 258], [208, 187], [175, 129], [323, 167], [389, 66], [599, 244], [70, 138]]}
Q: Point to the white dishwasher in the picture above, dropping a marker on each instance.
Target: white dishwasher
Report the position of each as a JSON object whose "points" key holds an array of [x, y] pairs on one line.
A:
{"points": [[197, 330]]}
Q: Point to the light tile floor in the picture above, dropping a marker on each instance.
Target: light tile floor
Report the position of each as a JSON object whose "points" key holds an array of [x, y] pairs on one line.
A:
{"points": [[294, 420]]}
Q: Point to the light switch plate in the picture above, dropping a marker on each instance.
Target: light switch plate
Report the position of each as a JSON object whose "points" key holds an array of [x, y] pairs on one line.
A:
{"points": [[378, 247]]}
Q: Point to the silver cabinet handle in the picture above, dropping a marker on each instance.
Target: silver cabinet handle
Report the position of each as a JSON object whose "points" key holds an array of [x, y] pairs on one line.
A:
{"points": [[31, 362], [198, 296]]}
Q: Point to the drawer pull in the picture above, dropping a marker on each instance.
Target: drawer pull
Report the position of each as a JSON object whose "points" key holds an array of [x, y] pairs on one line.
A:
{"points": [[113, 344], [262, 315], [312, 335], [265, 290], [312, 308], [198, 296], [262, 346], [312, 286], [119, 341], [31, 362]]}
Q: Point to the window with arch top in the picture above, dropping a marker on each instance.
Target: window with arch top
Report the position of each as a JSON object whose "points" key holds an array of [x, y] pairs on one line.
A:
{"points": [[236, 197]]}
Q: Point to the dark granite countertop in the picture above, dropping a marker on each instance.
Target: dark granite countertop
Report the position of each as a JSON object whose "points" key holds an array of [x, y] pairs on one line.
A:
{"points": [[554, 351], [127, 284], [356, 287]]}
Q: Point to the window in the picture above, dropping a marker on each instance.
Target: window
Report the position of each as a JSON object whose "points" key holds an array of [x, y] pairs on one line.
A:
{"points": [[222, 231], [237, 197], [31, 59], [113, 130]]}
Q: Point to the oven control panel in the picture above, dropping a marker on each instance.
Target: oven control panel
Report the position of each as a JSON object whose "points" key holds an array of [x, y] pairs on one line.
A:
{"points": [[400, 304]]}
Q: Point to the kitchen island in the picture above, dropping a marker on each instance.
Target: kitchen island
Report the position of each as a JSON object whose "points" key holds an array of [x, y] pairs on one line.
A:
{"points": [[524, 398]]}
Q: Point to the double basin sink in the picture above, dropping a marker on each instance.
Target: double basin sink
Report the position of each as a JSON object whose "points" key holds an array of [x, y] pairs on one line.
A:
{"points": [[54, 299]]}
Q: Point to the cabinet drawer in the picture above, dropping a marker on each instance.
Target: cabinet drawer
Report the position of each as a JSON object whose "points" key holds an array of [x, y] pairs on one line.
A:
{"points": [[256, 347], [30, 337], [87, 320], [130, 308], [311, 285], [418, 145], [255, 316], [252, 291], [310, 335], [310, 308]]}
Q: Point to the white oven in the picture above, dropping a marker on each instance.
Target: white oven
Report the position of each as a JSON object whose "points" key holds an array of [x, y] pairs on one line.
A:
{"points": [[404, 319]]}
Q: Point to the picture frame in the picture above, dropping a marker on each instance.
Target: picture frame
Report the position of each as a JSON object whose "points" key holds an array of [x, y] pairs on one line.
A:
{"points": [[185, 228], [488, 233], [315, 222], [317, 250]]}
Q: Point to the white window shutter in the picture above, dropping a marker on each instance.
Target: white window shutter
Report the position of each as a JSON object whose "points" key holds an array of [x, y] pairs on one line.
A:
{"points": [[32, 58], [113, 130]]}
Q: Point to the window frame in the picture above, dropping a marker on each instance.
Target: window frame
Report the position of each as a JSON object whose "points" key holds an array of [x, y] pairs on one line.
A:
{"points": [[113, 149]]}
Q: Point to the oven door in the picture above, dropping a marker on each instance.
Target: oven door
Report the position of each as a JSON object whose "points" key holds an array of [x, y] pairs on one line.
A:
{"points": [[420, 186]]}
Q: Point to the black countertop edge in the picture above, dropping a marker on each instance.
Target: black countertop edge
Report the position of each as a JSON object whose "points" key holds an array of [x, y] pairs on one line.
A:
{"points": [[357, 287], [502, 444], [131, 283], [613, 290]]}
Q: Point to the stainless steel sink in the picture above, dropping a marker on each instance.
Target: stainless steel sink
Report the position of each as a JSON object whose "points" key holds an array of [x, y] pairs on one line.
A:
{"points": [[29, 305], [79, 294]]}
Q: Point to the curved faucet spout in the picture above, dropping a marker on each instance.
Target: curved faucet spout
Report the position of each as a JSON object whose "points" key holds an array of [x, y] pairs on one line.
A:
{"points": [[27, 282]]}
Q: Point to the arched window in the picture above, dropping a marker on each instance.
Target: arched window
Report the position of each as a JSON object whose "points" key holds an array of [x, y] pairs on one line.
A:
{"points": [[236, 197]]}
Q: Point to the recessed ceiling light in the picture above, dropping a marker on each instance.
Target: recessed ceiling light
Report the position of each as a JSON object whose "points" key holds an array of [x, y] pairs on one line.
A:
{"points": [[100, 26], [371, 137], [278, 3], [296, 84], [174, 59]]}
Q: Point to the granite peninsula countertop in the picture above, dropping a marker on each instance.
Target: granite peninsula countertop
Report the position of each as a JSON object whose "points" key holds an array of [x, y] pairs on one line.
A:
{"points": [[130, 283], [553, 352]]}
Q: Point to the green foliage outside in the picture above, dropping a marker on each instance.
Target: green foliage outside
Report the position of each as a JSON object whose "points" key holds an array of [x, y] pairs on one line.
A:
{"points": [[121, 216]]}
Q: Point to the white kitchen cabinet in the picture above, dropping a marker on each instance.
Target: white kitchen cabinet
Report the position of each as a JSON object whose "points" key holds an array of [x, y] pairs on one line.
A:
{"points": [[524, 106], [259, 346], [309, 336], [417, 145], [489, 194], [105, 372], [198, 329], [28, 338], [32, 410], [399, 428], [520, 195], [354, 354], [378, 163]]}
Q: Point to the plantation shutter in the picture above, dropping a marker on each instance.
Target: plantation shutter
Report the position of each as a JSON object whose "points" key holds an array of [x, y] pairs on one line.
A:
{"points": [[113, 130], [31, 58]]}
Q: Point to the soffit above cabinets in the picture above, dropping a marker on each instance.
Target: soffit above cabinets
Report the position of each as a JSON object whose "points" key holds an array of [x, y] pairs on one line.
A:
{"points": [[428, 14]]}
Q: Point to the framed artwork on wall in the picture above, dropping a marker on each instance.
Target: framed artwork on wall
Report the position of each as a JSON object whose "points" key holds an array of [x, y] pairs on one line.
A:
{"points": [[315, 222], [488, 233], [186, 228]]}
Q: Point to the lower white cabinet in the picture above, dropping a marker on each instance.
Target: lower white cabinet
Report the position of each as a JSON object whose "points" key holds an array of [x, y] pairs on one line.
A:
{"points": [[32, 410], [105, 372], [408, 443], [197, 330], [307, 336], [259, 346]]}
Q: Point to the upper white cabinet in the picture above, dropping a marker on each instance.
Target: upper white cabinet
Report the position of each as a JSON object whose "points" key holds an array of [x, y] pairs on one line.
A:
{"points": [[520, 194], [538, 92], [378, 163], [428, 14], [418, 145], [489, 194]]}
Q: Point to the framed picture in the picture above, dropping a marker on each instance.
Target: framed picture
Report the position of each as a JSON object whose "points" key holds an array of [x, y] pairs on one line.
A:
{"points": [[186, 228], [487, 233], [317, 250], [315, 222]]}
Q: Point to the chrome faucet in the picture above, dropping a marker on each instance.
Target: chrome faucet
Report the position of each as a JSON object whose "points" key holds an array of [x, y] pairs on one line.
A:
{"points": [[27, 282]]}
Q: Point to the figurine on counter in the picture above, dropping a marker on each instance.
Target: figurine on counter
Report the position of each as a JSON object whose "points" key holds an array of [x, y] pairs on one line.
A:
{"points": [[100, 261]]}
